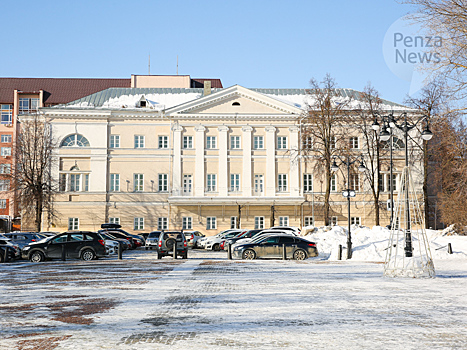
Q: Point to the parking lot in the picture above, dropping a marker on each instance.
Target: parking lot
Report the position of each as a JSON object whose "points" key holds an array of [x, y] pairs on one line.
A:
{"points": [[209, 302]]}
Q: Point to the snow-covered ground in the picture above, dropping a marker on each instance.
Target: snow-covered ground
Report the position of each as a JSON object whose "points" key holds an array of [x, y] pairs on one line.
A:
{"points": [[209, 302]]}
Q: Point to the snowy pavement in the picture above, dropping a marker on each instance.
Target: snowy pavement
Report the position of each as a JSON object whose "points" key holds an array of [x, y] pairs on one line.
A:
{"points": [[208, 302]]}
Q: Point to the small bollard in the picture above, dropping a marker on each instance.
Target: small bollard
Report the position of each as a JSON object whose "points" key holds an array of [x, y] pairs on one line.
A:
{"points": [[284, 253], [175, 251], [6, 259], [63, 252], [339, 252], [449, 248], [229, 251], [120, 250]]}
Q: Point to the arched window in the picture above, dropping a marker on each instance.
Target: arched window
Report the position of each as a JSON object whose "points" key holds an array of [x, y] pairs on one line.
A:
{"points": [[236, 104], [396, 143], [75, 140]]}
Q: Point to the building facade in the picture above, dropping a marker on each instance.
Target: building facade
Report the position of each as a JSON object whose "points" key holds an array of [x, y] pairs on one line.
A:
{"points": [[192, 158]]}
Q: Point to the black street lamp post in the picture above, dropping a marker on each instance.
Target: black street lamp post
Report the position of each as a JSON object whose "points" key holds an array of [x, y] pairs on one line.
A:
{"points": [[405, 127], [348, 192]]}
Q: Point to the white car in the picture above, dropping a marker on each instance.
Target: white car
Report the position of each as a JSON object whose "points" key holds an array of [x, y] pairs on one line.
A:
{"points": [[111, 246], [295, 230], [271, 231], [213, 242]]}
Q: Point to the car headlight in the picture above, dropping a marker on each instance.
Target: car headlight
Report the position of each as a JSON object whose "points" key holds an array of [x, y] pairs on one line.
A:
{"points": [[26, 248]]}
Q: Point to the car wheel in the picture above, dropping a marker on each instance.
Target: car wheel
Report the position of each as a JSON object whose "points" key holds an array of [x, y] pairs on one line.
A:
{"points": [[1, 256], [299, 255], [170, 243], [216, 247], [146, 248], [36, 257], [185, 256], [249, 254], [88, 255]]}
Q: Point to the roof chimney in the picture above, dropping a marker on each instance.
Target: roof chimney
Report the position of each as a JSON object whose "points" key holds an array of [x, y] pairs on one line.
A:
{"points": [[207, 87]]}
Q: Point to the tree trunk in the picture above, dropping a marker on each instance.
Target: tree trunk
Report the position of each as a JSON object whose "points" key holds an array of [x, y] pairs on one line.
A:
{"points": [[38, 220], [326, 197]]}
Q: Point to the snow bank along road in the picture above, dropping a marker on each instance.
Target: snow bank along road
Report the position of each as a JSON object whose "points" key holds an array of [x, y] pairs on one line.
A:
{"points": [[208, 302]]}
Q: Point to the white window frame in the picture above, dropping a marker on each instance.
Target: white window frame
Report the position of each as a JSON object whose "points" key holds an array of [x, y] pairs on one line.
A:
{"points": [[187, 183], [138, 182], [259, 222], [307, 183], [73, 224], [308, 221], [333, 142], [211, 142], [354, 142], [6, 151], [282, 183], [114, 221], [333, 183], [235, 142], [234, 182], [163, 182], [187, 142], [283, 221], [75, 183], [162, 223], [138, 223], [211, 223], [163, 142], [233, 221], [5, 168], [211, 183], [334, 221], [4, 185], [259, 183], [307, 142], [258, 142], [187, 223], [114, 182], [2, 203], [354, 182], [114, 141], [5, 138], [281, 142], [139, 141], [355, 220]]}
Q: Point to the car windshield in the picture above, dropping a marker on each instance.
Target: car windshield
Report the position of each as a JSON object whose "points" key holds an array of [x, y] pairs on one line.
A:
{"points": [[154, 235]]}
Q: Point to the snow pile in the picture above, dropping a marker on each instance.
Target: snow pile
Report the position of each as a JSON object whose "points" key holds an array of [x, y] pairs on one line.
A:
{"points": [[370, 244], [165, 101]]}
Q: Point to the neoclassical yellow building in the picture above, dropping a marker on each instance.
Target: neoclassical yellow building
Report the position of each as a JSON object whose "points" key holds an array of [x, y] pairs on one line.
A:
{"points": [[201, 159]]}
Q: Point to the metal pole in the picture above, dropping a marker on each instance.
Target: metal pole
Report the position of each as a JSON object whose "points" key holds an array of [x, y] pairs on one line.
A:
{"points": [[120, 250], [63, 252], [229, 251], [408, 235], [391, 185], [349, 238], [6, 253], [175, 250], [284, 253], [339, 252]]}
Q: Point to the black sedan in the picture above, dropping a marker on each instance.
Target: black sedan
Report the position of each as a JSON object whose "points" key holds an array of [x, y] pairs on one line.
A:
{"points": [[77, 244], [271, 246]]}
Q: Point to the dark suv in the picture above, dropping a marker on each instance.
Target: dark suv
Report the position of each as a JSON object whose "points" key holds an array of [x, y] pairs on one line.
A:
{"points": [[78, 244], [166, 243]]}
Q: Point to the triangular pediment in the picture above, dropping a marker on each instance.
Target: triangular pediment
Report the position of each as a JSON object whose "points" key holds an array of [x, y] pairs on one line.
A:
{"points": [[235, 100]]}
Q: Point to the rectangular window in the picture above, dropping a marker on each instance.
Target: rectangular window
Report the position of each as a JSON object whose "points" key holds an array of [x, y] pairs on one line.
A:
{"points": [[86, 183], [187, 223], [187, 184], [234, 142], [283, 221], [258, 142], [333, 183], [114, 182], [332, 142], [381, 182], [211, 142], [138, 224], [233, 222], [308, 221], [4, 185], [234, 182], [73, 224], [333, 220], [187, 142], [5, 168], [354, 182], [6, 114], [139, 141], [2, 203], [211, 223], [259, 222], [114, 221], [163, 142], [258, 183], [138, 184], [114, 141], [75, 182], [6, 138], [353, 142], [307, 183], [282, 183], [394, 181], [281, 142], [62, 183], [27, 105], [308, 142], [6, 151], [355, 220], [211, 182], [162, 223], [163, 184]]}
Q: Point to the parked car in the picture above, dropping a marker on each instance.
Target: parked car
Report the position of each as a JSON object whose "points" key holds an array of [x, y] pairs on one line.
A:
{"points": [[295, 230], [13, 247], [126, 244], [202, 241], [192, 238], [153, 240], [123, 235], [137, 241], [262, 233], [271, 247], [244, 235], [78, 244], [213, 243], [23, 238], [11, 254], [167, 240]]}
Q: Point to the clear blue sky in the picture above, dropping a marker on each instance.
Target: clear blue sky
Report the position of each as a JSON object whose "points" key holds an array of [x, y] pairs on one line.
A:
{"points": [[254, 43]]}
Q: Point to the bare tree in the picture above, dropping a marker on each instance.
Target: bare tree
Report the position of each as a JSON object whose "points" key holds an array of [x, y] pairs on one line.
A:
{"points": [[370, 106], [33, 164], [323, 123], [446, 25]]}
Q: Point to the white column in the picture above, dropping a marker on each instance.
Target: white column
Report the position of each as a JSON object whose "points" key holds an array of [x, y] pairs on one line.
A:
{"points": [[199, 161], [177, 161], [223, 166], [246, 175], [270, 176], [294, 171]]}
